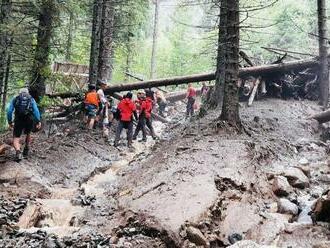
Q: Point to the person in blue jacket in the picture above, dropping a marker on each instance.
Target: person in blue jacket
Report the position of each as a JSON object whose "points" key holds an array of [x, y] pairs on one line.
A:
{"points": [[26, 111]]}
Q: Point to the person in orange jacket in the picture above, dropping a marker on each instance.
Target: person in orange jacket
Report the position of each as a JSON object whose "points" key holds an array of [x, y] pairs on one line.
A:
{"points": [[127, 109], [145, 117], [92, 102]]}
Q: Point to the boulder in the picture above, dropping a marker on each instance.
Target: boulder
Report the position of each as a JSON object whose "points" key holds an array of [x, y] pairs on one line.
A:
{"points": [[296, 177], [281, 186], [303, 161], [196, 236], [287, 207], [249, 244], [321, 210], [324, 244]]}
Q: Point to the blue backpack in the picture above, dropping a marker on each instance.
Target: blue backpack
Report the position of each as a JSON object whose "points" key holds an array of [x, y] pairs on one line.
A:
{"points": [[23, 105]]}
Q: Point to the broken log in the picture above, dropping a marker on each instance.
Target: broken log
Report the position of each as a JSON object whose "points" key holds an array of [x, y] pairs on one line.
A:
{"points": [[257, 71], [254, 92], [322, 117]]}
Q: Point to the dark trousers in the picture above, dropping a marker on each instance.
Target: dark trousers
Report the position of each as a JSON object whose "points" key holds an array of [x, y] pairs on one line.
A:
{"points": [[190, 107], [124, 125], [141, 126]]}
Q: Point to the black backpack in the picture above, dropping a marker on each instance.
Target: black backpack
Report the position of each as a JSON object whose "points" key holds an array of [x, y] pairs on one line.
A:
{"points": [[23, 105]]}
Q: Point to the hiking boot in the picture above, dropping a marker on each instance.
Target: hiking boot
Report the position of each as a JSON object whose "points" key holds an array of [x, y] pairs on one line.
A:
{"points": [[134, 138], [26, 151], [19, 156]]}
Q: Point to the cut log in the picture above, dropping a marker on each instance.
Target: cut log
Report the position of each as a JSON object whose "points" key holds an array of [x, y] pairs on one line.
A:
{"points": [[322, 117], [254, 92], [257, 71]]}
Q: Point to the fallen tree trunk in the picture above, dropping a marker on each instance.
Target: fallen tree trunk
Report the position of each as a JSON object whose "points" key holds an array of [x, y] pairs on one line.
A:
{"points": [[322, 117], [256, 71]]}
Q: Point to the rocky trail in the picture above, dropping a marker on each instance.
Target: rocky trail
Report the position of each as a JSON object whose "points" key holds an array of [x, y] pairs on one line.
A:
{"points": [[200, 185]]}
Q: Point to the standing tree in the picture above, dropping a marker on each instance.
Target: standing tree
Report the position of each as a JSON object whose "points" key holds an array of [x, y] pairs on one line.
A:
{"points": [[95, 41], [40, 72], [323, 52], [106, 41], [154, 40], [230, 107]]}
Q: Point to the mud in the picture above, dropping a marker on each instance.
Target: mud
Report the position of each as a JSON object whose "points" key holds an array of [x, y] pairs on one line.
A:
{"points": [[198, 175]]}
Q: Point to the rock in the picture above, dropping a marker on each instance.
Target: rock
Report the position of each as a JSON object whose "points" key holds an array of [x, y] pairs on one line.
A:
{"points": [[196, 236], [249, 244], [321, 210], [296, 177], [235, 237], [281, 186], [303, 161], [324, 244], [305, 169], [287, 207]]}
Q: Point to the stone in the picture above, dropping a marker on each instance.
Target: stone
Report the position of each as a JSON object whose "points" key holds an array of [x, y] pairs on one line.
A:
{"points": [[196, 236], [287, 207], [324, 244], [296, 177], [303, 161], [321, 210], [281, 186], [249, 244], [305, 169]]}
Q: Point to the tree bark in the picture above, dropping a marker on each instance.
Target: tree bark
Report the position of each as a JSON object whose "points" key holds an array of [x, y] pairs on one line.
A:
{"points": [[106, 41], [95, 41], [5, 88], [68, 49], [230, 107], [217, 96], [41, 66], [154, 41], [323, 53], [5, 10]]}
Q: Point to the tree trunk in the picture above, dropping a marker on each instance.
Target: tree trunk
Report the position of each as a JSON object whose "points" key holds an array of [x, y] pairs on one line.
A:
{"points": [[5, 10], [323, 52], [5, 88], [95, 41], [68, 48], [106, 41], [154, 41], [217, 96], [41, 68], [230, 108]]}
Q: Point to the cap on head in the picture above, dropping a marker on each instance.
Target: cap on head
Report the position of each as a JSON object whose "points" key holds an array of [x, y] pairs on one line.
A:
{"points": [[129, 95], [91, 87], [24, 91]]}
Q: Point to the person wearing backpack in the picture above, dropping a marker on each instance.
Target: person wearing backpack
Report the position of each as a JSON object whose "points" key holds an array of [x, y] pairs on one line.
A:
{"points": [[146, 106], [25, 109], [127, 109], [92, 102]]}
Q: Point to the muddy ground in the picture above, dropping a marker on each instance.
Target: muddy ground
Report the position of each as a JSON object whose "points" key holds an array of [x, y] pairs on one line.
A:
{"points": [[200, 185]]}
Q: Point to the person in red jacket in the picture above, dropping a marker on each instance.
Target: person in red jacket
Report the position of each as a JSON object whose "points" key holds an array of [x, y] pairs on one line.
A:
{"points": [[145, 117], [127, 109]]}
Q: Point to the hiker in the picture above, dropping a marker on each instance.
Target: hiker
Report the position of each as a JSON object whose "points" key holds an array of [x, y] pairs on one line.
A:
{"points": [[92, 102], [26, 113], [127, 109], [103, 113], [145, 116], [204, 92], [161, 101], [191, 97]]}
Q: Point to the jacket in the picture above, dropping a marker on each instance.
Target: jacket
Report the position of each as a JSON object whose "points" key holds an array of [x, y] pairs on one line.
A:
{"points": [[146, 107], [127, 109], [11, 110]]}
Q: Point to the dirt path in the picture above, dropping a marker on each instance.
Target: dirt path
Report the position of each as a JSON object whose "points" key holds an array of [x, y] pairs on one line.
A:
{"points": [[200, 184]]}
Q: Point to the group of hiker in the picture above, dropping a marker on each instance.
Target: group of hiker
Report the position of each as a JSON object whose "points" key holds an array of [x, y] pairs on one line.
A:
{"points": [[99, 111], [128, 111]]}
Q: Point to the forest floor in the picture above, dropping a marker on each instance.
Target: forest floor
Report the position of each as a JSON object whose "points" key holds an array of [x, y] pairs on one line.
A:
{"points": [[201, 185]]}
